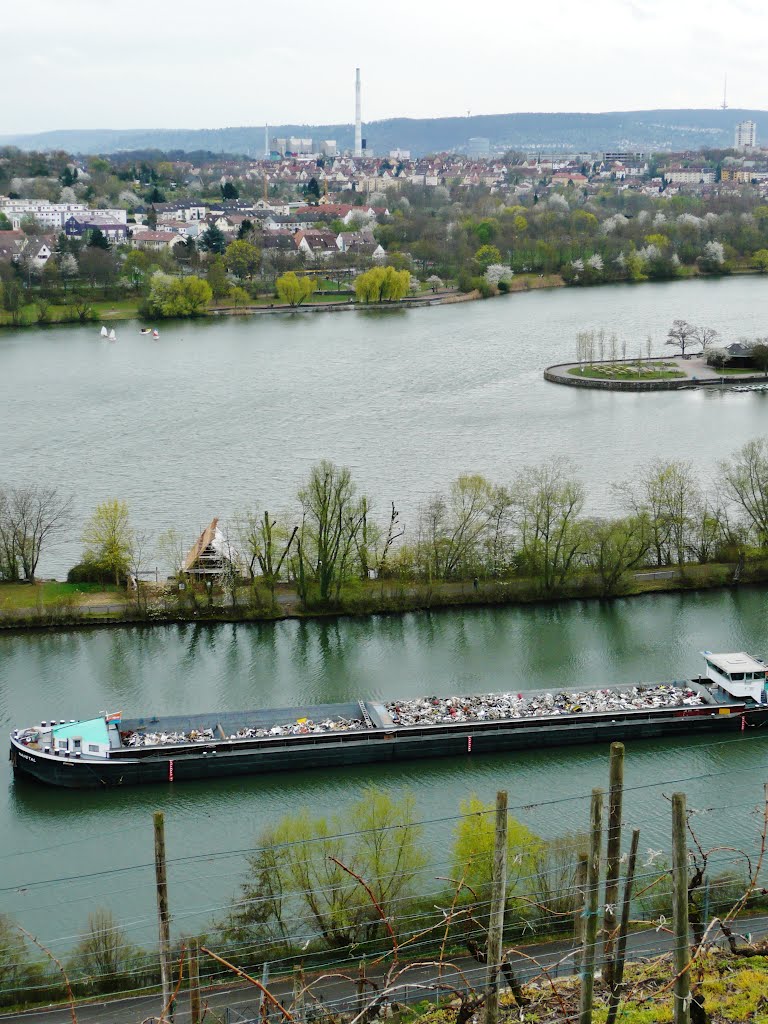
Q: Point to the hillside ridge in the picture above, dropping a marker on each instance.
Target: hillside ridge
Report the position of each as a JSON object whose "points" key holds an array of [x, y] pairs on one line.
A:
{"points": [[659, 129]]}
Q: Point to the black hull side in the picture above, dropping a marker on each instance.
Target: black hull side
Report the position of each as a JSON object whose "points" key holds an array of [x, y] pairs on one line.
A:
{"points": [[76, 774]]}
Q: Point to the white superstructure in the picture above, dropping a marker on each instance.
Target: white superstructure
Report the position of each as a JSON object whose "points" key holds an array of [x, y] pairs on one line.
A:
{"points": [[740, 675]]}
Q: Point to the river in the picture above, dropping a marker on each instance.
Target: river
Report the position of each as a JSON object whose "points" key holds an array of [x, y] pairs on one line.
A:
{"points": [[222, 416], [63, 837], [218, 416]]}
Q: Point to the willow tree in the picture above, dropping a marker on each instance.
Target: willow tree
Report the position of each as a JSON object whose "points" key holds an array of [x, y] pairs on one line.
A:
{"points": [[472, 854], [293, 290], [297, 882], [108, 538]]}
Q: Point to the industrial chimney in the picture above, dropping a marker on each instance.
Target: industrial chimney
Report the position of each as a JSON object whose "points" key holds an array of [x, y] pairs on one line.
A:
{"points": [[358, 122]]}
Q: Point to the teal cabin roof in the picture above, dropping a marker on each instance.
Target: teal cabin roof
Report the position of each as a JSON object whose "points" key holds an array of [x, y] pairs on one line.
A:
{"points": [[92, 731]]}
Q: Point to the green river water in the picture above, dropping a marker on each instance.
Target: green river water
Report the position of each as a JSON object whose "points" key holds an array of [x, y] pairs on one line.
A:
{"points": [[219, 416]]}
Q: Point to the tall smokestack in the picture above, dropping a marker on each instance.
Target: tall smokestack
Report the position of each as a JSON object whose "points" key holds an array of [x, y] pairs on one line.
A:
{"points": [[358, 122], [266, 142]]}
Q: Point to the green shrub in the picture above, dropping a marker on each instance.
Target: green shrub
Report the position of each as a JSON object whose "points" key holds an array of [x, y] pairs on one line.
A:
{"points": [[90, 572]]}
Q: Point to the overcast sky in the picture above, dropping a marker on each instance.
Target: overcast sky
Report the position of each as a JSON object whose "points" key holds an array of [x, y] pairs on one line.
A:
{"points": [[197, 63]]}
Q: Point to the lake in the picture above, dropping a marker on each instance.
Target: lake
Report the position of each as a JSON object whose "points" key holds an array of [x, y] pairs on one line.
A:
{"points": [[221, 416]]}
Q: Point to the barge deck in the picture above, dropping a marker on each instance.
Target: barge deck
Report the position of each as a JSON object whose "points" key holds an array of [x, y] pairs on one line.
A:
{"points": [[113, 751]]}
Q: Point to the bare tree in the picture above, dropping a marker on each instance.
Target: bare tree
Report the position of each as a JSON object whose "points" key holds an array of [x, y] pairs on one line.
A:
{"points": [[680, 334], [665, 495], [172, 550], [547, 505], [265, 545], [104, 950], [30, 516], [9, 556], [395, 531], [706, 337], [138, 546]]}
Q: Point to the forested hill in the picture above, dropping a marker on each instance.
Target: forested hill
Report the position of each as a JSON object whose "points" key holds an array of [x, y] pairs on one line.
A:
{"points": [[637, 129]]}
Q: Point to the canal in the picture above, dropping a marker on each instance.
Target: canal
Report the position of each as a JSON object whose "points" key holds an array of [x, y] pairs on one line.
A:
{"points": [[55, 840]]}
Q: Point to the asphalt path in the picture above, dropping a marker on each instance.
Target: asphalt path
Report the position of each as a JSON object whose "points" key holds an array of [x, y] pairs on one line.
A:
{"points": [[241, 1000]]}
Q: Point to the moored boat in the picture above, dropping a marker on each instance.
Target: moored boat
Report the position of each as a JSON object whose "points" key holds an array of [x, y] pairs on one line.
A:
{"points": [[111, 750]]}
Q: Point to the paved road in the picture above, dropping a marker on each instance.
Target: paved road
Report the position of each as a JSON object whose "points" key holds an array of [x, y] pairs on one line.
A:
{"points": [[242, 1000]]}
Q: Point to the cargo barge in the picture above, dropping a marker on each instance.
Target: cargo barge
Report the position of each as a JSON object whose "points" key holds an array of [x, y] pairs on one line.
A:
{"points": [[114, 751]]}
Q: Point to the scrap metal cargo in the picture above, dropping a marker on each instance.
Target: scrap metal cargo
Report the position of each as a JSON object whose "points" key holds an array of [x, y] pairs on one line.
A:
{"points": [[116, 751]]}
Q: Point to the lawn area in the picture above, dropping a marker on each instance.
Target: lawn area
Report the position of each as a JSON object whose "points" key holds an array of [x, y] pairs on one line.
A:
{"points": [[23, 595], [120, 309], [114, 309], [629, 371]]}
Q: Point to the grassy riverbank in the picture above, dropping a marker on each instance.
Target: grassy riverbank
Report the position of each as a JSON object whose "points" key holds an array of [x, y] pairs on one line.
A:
{"points": [[53, 604], [128, 308], [321, 301]]}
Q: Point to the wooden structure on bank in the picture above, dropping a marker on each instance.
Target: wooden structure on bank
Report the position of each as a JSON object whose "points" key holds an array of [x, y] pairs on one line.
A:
{"points": [[206, 556]]}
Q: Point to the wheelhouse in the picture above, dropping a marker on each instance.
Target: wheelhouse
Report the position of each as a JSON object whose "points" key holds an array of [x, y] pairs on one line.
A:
{"points": [[739, 675]]}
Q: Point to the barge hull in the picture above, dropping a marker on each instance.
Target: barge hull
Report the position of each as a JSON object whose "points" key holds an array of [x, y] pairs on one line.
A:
{"points": [[401, 745]]}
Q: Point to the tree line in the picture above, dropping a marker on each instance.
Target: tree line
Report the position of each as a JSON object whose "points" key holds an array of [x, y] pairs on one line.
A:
{"points": [[536, 527]]}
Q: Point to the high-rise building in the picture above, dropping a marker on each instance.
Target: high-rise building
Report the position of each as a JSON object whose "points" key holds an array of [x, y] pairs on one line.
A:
{"points": [[746, 134]]}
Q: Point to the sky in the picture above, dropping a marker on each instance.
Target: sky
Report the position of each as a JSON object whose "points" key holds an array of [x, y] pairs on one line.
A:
{"points": [[198, 64]]}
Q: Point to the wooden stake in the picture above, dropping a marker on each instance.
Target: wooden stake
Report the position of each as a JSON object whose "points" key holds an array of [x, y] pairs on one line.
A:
{"points": [[613, 855], [360, 988], [581, 906], [591, 911], [163, 916], [498, 900], [298, 991], [682, 988], [194, 982], [621, 947]]}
